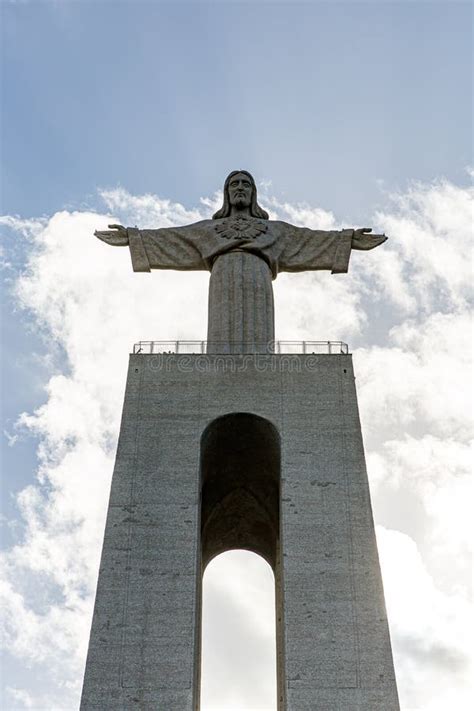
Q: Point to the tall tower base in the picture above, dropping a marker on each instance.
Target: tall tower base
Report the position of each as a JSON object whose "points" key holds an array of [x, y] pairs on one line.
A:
{"points": [[260, 452]]}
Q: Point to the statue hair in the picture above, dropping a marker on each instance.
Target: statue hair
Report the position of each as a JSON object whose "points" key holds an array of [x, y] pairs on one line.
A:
{"points": [[255, 209]]}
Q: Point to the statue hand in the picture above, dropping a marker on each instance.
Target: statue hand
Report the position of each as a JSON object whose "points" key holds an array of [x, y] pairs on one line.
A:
{"points": [[118, 237], [361, 239]]}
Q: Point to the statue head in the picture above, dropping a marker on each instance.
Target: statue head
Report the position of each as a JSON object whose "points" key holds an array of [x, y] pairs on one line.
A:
{"points": [[240, 191]]}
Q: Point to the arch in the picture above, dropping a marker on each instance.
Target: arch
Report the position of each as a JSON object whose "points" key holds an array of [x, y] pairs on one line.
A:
{"points": [[238, 638], [240, 487]]}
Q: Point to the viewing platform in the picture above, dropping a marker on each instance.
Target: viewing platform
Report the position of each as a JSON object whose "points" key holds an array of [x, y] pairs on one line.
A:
{"points": [[278, 347]]}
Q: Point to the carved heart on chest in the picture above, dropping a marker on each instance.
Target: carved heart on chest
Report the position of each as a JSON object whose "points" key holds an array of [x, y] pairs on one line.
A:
{"points": [[240, 227]]}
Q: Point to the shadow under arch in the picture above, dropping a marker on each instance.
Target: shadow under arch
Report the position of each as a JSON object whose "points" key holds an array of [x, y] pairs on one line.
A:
{"points": [[240, 487], [240, 463]]}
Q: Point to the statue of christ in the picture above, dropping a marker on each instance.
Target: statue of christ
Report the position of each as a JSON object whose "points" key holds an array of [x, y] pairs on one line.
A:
{"points": [[244, 251]]}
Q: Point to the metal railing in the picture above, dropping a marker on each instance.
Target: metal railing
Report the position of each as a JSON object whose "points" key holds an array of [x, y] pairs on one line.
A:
{"points": [[202, 347]]}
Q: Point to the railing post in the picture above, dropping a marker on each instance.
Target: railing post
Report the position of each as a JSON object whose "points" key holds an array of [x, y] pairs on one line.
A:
{"points": [[279, 346]]}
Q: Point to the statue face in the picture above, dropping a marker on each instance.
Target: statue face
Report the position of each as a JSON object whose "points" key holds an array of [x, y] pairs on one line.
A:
{"points": [[240, 191]]}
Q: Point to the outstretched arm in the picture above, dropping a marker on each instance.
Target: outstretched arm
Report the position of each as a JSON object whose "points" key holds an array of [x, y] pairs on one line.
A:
{"points": [[362, 239], [165, 248], [120, 236], [306, 249], [116, 236]]}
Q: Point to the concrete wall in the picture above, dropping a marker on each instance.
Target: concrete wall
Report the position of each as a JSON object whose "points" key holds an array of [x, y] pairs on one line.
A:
{"points": [[334, 646]]}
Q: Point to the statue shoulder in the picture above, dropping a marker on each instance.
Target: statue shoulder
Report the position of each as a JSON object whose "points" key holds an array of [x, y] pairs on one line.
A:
{"points": [[286, 227], [280, 226], [195, 226], [203, 223]]}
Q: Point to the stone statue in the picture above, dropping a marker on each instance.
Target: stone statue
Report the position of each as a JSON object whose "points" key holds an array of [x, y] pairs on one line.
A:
{"points": [[244, 251]]}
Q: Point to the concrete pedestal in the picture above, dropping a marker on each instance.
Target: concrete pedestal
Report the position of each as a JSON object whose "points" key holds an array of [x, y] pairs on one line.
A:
{"points": [[282, 473]]}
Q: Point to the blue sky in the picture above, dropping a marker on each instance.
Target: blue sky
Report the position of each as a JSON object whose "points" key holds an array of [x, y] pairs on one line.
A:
{"points": [[347, 113], [324, 99]]}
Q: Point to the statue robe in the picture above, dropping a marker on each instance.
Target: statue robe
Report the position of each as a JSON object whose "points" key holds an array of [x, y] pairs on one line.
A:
{"points": [[243, 256]]}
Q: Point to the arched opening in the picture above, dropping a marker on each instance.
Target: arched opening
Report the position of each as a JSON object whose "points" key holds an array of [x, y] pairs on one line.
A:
{"points": [[240, 487], [240, 509], [238, 634]]}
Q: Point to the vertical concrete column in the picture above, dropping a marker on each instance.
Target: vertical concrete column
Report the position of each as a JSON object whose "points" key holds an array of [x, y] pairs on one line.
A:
{"points": [[333, 641], [337, 643], [145, 629]]}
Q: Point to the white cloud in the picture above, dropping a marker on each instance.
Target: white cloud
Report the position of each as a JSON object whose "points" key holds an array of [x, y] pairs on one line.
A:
{"points": [[148, 210], [424, 486], [421, 379], [408, 300], [300, 214], [238, 634], [431, 630], [427, 261]]}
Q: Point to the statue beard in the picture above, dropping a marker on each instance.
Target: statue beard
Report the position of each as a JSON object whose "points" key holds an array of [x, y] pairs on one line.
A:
{"points": [[241, 202]]}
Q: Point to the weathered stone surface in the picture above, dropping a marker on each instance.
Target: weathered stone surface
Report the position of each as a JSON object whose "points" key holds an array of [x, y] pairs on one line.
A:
{"points": [[334, 645], [244, 251]]}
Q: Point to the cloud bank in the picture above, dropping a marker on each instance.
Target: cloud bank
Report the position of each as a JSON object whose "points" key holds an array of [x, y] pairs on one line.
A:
{"points": [[405, 310]]}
